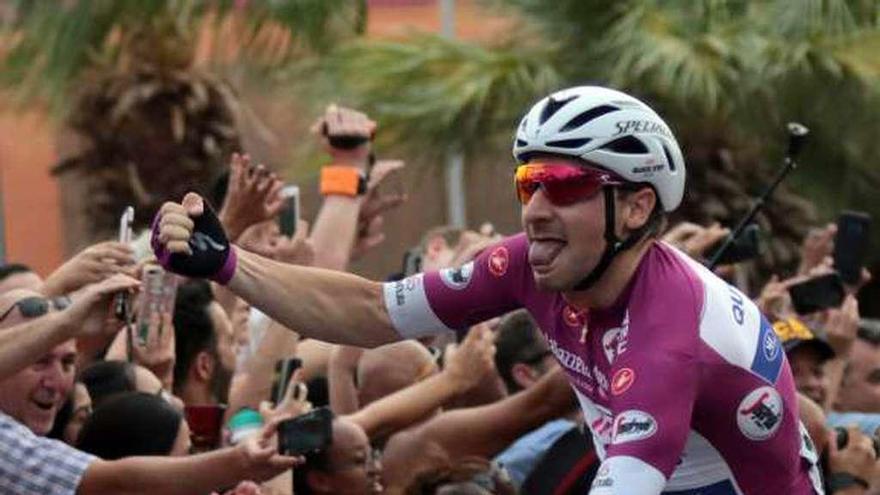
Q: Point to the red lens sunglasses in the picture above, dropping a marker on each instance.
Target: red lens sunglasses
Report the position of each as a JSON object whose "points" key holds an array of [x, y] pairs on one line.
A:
{"points": [[563, 184]]}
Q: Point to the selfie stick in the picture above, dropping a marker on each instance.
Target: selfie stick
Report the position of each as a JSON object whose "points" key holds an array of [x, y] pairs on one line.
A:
{"points": [[797, 134]]}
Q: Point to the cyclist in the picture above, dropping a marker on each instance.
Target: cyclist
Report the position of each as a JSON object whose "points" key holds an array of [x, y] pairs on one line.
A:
{"points": [[682, 381]]}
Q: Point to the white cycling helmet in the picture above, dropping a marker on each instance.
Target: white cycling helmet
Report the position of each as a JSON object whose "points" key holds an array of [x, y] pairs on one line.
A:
{"points": [[610, 129]]}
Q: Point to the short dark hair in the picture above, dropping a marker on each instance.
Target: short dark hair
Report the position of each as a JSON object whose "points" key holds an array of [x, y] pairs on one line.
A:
{"points": [[105, 379], [11, 269], [131, 424], [518, 341], [193, 328]]}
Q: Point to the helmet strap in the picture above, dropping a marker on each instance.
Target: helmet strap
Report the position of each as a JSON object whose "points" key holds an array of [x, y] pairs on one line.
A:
{"points": [[613, 245]]}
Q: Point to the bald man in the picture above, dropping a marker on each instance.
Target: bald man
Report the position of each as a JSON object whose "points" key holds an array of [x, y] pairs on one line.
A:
{"points": [[387, 369]]}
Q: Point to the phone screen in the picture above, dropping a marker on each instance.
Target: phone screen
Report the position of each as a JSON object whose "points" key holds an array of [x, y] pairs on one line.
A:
{"points": [[308, 433], [850, 245], [818, 293], [290, 214], [158, 291]]}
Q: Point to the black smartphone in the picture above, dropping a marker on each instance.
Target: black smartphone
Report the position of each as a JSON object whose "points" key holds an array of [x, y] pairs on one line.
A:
{"points": [[818, 293], [284, 370], [289, 216], [745, 247], [850, 245], [310, 432]]}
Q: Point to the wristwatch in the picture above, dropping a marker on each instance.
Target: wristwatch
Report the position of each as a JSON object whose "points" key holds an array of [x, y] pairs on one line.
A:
{"points": [[343, 180], [842, 480]]}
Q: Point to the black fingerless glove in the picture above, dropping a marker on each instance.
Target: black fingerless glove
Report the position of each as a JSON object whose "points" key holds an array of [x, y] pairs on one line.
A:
{"points": [[212, 255]]}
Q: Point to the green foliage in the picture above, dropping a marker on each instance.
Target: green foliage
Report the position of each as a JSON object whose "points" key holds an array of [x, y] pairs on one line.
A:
{"points": [[54, 42], [429, 91]]}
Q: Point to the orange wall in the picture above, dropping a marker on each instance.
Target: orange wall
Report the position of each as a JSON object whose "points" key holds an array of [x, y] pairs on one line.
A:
{"points": [[30, 196]]}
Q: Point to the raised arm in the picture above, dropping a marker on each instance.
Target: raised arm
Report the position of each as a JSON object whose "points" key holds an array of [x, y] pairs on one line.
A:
{"points": [[466, 366], [487, 430]]}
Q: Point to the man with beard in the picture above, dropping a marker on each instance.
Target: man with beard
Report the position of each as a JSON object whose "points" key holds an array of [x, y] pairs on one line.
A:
{"points": [[203, 342]]}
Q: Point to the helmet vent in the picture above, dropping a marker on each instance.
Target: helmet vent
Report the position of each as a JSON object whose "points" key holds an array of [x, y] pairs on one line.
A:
{"points": [[552, 107], [627, 145], [669, 159], [568, 143], [587, 116], [520, 142]]}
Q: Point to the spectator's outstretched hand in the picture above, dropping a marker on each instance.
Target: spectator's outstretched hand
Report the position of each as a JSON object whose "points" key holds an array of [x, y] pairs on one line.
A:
{"points": [[296, 250], [344, 122], [376, 203], [817, 246], [92, 307], [295, 402], [857, 458], [694, 239], [260, 456], [252, 197], [468, 363], [93, 264], [472, 243], [842, 325]]}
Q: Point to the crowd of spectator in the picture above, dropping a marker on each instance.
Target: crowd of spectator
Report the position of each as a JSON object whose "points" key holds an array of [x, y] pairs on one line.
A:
{"points": [[96, 402]]}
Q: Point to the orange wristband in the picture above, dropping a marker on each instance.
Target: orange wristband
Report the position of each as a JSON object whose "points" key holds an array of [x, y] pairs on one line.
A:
{"points": [[342, 180]]}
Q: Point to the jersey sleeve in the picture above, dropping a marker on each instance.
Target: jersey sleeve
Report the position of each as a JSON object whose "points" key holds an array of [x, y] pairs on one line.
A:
{"points": [[456, 298], [653, 385]]}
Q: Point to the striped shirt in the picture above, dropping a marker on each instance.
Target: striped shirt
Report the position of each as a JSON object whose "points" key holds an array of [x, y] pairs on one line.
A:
{"points": [[33, 465]]}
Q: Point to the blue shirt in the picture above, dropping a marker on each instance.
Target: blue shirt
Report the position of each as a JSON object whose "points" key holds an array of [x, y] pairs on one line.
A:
{"points": [[521, 457], [867, 422], [33, 465]]}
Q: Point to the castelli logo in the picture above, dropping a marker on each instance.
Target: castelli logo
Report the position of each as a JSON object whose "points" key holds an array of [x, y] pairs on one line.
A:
{"points": [[572, 317], [622, 380], [499, 260]]}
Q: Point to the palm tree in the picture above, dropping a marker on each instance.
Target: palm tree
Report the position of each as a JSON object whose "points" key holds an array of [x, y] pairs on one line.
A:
{"points": [[726, 73], [137, 86]]}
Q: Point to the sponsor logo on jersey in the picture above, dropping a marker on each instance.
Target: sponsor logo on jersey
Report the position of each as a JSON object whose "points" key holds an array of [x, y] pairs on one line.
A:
{"points": [[759, 414], [770, 346], [402, 288], [614, 340], [574, 364], [602, 380], [600, 421], [573, 317], [622, 380], [498, 261], [457, 278], [633, 425]]}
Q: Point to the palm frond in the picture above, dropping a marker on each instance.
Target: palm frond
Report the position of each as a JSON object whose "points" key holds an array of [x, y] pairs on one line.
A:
{"points": [[429, 89]]}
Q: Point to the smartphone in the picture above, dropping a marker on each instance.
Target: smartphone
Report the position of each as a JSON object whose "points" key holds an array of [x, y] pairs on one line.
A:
{"points": [[818, 293], [289, 217], [310, 432], [850, 245], [284, 370], [158, 291], [121, 304], [745, 247], [205, 425]]}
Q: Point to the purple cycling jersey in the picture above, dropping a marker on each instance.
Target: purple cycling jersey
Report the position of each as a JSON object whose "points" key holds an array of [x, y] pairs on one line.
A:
{"points": [[683, 383]]}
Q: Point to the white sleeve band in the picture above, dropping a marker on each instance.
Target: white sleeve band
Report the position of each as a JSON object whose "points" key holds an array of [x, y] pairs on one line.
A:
{"points": [[625, 475], [409, 310]]}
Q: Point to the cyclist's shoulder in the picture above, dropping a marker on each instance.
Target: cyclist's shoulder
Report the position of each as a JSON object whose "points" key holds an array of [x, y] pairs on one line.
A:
{"points": [[667, 281]]}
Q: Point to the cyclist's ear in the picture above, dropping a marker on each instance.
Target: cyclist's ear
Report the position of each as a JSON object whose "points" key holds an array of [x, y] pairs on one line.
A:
{"points": [[636, 206]]}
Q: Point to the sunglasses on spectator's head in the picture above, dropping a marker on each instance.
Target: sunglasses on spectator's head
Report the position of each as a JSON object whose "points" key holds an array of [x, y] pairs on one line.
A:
{"points": [[34, 306], [562, 183]]}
